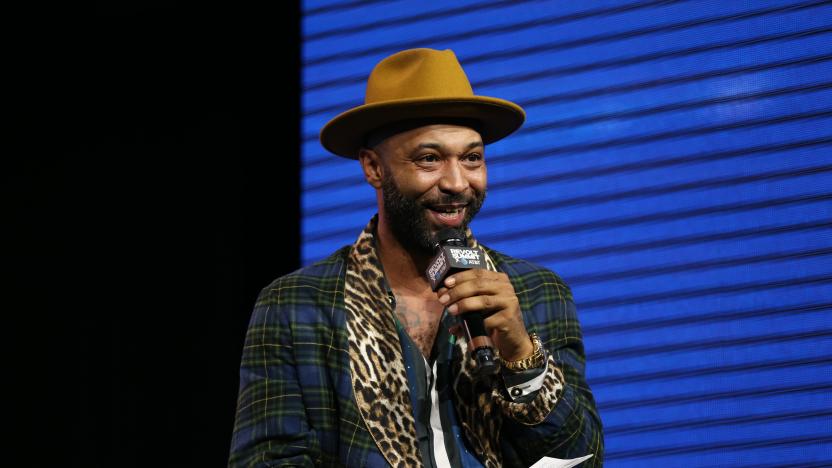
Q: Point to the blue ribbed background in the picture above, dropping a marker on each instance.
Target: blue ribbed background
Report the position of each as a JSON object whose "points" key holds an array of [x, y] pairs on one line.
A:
{"points": [[675, 169]]}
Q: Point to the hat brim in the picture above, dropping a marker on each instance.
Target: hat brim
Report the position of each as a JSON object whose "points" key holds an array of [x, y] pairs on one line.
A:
{"points": [[344, 135]]}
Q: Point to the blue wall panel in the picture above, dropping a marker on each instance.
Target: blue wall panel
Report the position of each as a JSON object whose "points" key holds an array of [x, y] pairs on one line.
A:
{"points": [[675, 169]]}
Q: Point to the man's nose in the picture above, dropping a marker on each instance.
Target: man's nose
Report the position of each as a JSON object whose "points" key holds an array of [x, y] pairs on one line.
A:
{"points": [[453, 178]]}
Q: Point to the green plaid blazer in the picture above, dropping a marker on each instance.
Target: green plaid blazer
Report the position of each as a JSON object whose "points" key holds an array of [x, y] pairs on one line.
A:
{"points": [[296, 405]]}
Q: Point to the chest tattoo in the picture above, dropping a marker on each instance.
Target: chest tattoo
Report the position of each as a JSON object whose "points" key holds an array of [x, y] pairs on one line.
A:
{"points": [[420, 323]]}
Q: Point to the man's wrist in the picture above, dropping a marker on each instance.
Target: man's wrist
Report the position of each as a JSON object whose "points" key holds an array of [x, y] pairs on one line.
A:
{"points": [[533, 360]]}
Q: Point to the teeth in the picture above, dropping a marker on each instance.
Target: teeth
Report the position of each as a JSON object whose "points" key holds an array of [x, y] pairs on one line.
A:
{"points": [[448, 212], [451, 212]]}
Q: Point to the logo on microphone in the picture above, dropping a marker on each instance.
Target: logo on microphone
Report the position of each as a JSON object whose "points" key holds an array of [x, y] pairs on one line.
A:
{"points": [[435, 270], [466, 256]]}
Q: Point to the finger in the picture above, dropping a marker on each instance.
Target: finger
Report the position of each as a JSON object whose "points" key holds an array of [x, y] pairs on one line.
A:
{"points": [[466, 275], [482, 304], [483, 277], [471, 288], [503, 323]]}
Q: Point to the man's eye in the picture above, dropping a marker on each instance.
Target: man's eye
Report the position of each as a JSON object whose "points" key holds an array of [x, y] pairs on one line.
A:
{"points": [[473, 157], [429, 158]]}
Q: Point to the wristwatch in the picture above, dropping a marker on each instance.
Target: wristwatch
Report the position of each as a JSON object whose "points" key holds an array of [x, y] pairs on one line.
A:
{"points": [[535, 360]]}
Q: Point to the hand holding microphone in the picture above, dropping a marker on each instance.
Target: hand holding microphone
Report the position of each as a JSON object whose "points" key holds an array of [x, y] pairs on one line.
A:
{"points": [[484, 299]]}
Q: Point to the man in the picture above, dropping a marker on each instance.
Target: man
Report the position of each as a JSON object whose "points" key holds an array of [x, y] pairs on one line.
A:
{"points": [[356, 361]]}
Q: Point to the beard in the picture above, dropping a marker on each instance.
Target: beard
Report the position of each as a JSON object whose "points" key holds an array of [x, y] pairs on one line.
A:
{"points": [[407, 219]]}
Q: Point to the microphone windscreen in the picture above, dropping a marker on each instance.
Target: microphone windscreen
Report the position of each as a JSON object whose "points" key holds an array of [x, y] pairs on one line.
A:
{"points": [[451, 236]]}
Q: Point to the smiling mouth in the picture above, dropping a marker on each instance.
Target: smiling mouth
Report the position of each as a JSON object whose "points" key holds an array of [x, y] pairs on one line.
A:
{"points": [[449, 212], [448, 215]]}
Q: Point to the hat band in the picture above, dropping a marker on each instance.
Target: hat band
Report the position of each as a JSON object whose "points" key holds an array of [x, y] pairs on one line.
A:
{"points": [[380, 134]]}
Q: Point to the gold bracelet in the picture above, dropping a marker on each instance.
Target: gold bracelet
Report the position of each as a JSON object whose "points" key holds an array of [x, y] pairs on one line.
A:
{"points": [[534, 360]]}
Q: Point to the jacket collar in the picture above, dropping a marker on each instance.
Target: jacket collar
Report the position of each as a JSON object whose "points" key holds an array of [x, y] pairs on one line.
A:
{"points": [[379, 378]]}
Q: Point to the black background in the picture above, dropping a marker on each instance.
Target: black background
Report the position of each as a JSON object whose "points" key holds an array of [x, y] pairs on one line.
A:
{"points": [[154, 192]]}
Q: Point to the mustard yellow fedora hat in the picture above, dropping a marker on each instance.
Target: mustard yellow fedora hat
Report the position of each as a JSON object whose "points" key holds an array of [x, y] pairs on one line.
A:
{"points": [[419, 84]]}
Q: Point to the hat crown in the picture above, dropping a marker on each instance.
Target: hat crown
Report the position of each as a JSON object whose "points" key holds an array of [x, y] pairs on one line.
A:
{"points": [[417, 73], [418, 85]]}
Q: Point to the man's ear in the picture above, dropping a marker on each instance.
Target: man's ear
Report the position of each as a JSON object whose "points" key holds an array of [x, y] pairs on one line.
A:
{"points": [[372, 166]]}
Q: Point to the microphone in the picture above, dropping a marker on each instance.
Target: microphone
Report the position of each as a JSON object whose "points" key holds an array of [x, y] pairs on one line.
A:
{"points": [[453, 255]]}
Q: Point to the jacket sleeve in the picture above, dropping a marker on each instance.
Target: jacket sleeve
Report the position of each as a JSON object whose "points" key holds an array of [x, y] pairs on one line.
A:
{"points": [[561, 419], [271, 427]]}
